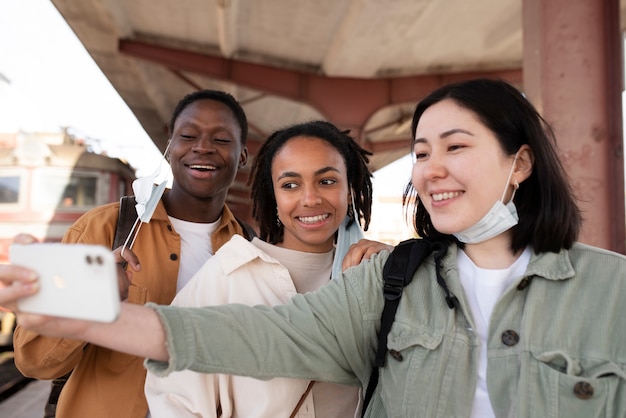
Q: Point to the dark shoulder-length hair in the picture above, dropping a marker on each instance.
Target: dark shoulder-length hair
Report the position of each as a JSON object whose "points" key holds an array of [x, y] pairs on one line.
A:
{"points": [[549, 219], [260, 180]]}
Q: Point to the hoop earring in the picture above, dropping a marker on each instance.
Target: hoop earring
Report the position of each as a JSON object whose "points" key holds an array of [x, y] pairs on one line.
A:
{"points": [[515, 185]]}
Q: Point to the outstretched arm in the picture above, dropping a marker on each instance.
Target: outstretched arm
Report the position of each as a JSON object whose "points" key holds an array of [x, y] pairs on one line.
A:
{"points": [[137, 331], [324, 335]]}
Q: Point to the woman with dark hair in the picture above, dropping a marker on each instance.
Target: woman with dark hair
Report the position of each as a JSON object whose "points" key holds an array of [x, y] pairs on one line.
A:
{"points": [[310, 188], [549, 219], [510, 317], [261, 180]]}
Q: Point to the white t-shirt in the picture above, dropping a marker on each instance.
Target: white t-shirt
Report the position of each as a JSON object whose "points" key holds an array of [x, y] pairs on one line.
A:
{"points": [[195, 247], [483, 288]]}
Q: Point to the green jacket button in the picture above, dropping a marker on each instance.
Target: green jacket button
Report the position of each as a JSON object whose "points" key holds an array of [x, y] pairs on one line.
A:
{"points": [[583, 390], [510, 338]]}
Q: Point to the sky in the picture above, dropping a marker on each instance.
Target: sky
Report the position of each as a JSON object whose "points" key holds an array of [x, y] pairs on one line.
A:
{"points": [[54, 83]]}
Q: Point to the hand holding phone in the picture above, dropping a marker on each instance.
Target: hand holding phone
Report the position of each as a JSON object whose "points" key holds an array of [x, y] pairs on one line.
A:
{"points": [[75, 280]]}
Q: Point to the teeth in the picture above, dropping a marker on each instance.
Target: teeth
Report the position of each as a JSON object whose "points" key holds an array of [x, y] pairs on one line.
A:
{"points": [[202, 167], [312, 219], [444, 196]]}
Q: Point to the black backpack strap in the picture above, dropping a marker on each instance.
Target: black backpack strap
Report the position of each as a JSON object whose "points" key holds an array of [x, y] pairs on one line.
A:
{"points": [[125, 220], [50, 408], [397, 273]]}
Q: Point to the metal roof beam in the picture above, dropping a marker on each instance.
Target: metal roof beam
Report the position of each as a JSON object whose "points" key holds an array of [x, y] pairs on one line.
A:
{"points": [[347, 102]]}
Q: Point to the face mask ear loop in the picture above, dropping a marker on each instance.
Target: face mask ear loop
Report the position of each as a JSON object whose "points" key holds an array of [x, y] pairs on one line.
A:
{"points": [[355, 214], [506, 187], [167, 148], [159, 167]]}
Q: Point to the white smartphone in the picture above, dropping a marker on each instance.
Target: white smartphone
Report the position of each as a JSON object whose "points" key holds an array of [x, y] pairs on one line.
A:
{"points": [[76, 280]]}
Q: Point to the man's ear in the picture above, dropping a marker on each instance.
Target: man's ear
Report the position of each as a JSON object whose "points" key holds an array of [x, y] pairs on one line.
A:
{"points": [[524, 164], [243, 157]]}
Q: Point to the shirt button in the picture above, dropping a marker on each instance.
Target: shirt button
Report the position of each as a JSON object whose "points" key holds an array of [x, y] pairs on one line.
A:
{"points": [[396, 355], [523, 284], [583, 390], [173, 257], [510, 338]]}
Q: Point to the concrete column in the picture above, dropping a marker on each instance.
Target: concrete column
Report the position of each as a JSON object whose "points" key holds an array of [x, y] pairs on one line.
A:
{"points": [[573, 74]]}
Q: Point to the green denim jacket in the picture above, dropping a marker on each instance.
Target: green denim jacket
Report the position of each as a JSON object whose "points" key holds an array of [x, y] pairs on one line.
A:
{"points": [[556, 346]]}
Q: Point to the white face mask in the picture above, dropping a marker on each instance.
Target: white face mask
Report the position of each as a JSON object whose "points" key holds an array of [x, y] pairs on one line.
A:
{"points": [[148, 191], [500, 218], [345, 238]]}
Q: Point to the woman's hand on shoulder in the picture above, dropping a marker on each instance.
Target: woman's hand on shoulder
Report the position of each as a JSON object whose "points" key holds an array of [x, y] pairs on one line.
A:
{"points": [[363, 250]]}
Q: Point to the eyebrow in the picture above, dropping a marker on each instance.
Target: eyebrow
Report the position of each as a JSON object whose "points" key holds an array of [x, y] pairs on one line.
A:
{"points": [[193, 123], [317, 173], [446, 134]]}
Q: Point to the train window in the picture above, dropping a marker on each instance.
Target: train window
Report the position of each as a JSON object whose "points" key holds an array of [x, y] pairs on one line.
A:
{"points": [[65, 190], [9, 189]]}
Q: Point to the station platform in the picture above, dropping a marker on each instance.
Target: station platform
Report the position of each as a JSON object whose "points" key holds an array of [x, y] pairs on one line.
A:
{"points": [[28, 402], [20, 397]]}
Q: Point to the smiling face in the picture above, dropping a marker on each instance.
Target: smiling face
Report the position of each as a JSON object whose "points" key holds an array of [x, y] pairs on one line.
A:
{"points": [[205, 151], [460, 169], [310, 183]]}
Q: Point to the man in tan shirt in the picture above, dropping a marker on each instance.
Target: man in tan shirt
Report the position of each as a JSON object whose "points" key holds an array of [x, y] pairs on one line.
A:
{"points": [[207, 146]]}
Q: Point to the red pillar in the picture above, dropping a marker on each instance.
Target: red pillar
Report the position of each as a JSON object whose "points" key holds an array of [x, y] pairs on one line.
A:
{"points": [[573, 74]]}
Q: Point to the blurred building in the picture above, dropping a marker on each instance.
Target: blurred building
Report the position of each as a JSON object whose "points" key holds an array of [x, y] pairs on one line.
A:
{"points": [[48, 180], [49, 177], [390, 221]]}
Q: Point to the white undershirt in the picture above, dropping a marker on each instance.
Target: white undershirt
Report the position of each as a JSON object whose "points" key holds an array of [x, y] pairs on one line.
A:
{"points": [[195, 247], [483, 288], [308, 271]]}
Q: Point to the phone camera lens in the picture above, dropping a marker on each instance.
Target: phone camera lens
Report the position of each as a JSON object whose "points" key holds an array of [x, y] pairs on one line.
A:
{"points": [[89, 260]]}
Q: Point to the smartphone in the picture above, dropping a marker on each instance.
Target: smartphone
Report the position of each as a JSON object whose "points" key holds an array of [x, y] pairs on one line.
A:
{"points": [[76, 280]]}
